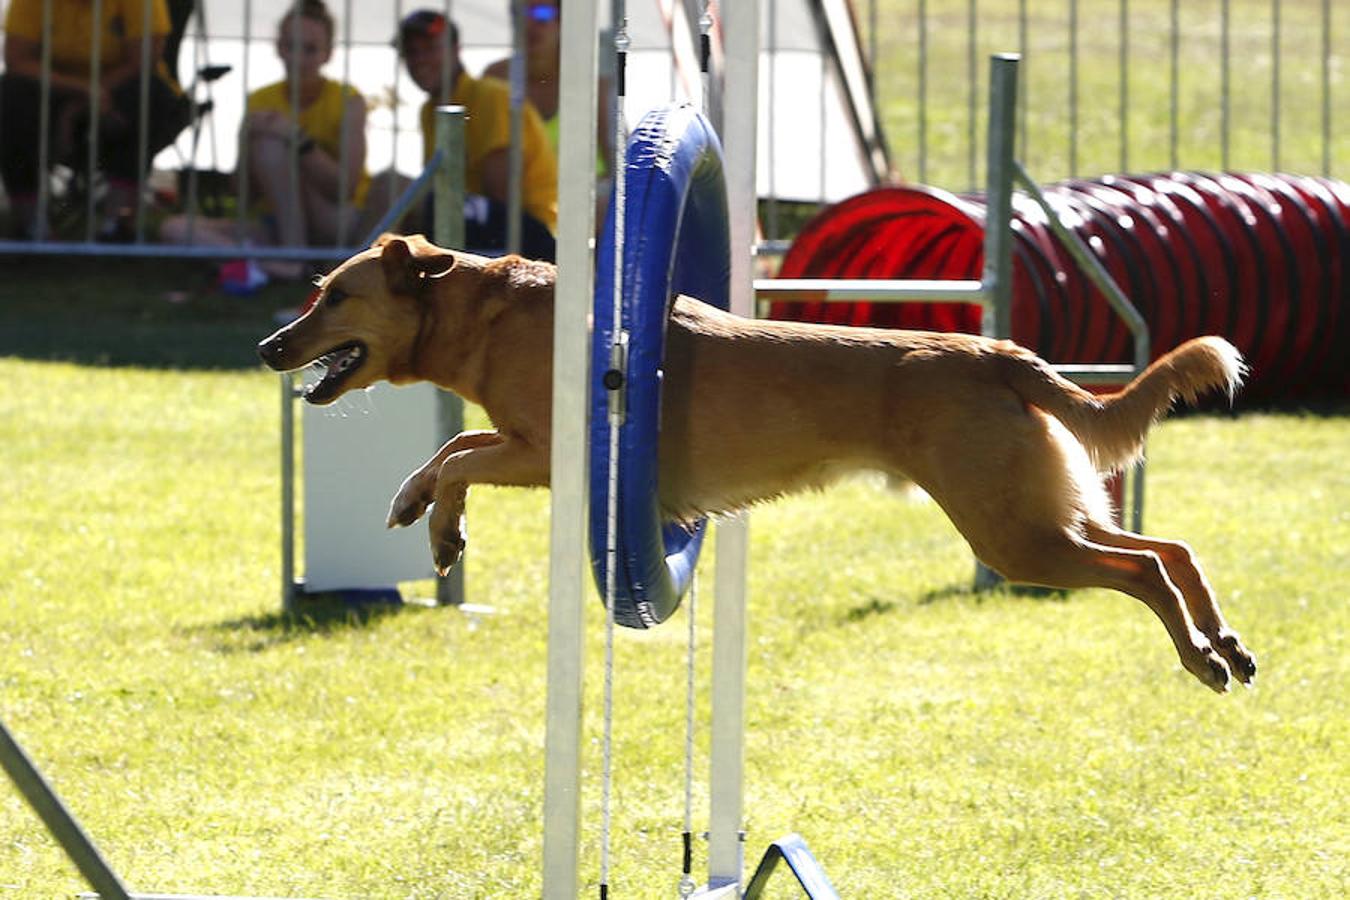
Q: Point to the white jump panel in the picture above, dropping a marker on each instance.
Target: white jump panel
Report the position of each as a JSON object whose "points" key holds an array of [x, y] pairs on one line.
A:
{"points": [[356, 454]]}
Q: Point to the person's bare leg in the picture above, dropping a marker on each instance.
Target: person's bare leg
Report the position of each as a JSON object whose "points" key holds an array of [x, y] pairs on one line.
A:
{"points": [[270, 170]]}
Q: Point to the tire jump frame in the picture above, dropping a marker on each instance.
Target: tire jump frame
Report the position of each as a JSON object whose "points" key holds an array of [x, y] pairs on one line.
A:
{"points": [[676, 242]]}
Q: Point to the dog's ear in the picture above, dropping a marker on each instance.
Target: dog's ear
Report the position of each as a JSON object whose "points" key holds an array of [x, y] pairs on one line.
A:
{"points": [[408, 263]]}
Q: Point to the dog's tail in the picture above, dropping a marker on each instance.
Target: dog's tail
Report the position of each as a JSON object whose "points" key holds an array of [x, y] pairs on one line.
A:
{"points": [[1112, 426]]}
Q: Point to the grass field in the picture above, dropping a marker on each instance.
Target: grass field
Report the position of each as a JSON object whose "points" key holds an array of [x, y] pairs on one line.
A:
{"points": [[927, 741]]}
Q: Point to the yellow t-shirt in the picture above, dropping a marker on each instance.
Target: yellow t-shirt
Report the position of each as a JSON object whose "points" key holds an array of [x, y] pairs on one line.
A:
{"points": [[321, 120], [487, 128], [73, 27], [553, 128]]}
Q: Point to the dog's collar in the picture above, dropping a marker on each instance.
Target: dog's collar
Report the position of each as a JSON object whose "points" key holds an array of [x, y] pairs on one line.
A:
{"points": [[425, 328]]}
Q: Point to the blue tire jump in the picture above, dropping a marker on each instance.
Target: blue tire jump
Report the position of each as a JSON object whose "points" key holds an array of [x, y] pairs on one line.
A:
{"points": [[676, 241]]}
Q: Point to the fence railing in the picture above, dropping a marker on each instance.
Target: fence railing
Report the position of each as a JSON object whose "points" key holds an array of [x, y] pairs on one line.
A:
{"points": [[1108, 85], [1118, 85]]}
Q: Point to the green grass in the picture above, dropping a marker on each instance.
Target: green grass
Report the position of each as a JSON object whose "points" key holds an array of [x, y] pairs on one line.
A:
{"points": [[928, 742]]}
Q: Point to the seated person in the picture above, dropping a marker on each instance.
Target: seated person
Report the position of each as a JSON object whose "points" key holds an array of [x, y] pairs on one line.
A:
{"points": [[330, 115], [118, 113], [543, 55], [430, 49]]}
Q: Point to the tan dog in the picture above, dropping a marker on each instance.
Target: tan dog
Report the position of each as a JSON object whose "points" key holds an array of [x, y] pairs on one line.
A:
{"points": [[756, 409]]}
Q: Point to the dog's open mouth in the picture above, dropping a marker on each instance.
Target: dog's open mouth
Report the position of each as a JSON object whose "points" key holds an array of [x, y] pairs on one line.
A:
{"points": [[337, 365]]}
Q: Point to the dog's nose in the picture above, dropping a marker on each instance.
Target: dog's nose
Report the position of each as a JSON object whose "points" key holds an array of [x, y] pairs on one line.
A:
{"points": [[270, 350]]}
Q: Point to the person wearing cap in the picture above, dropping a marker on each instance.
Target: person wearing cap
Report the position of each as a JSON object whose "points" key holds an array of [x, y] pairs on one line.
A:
{"points": [[543, 59], [429, 46]]}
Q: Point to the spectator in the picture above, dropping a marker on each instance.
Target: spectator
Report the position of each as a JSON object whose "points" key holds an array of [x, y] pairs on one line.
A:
{"points": [[430, 47], [325, 138], [543, 55], [118, 112]]}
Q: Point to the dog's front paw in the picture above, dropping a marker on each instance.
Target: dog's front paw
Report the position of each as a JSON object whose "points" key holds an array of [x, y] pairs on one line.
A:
{"points": [[410, 503], [446, 551], [447, 533]]}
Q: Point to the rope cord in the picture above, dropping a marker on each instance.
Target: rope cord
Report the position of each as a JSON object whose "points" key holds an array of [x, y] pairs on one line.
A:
{"points": [[705, 23], [618, 363], [687, 880], [687, 885]]}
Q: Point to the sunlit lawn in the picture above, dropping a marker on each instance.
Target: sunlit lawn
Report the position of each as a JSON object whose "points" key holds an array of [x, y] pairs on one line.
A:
{"points": [[928, 742]]}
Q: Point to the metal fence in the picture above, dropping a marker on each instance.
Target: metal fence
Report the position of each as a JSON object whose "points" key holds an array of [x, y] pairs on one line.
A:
{"points": [[1107, 86], [186, 176], [1117, 85]]}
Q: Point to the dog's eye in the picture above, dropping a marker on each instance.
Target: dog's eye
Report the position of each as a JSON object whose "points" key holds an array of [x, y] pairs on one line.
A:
{"points": [[336, 295]]}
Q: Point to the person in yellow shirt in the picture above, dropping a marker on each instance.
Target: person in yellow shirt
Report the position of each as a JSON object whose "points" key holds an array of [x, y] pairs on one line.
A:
{"points": [[325, 136], [430, 47], [117, 109], [543, 59]]}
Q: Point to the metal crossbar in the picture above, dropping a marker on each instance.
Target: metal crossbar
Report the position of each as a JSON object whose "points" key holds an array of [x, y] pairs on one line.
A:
{"points": [[59, 820], [994, 290]]}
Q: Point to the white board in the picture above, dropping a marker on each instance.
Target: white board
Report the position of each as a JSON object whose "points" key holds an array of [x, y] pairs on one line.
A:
{"points": [[356, 454]]}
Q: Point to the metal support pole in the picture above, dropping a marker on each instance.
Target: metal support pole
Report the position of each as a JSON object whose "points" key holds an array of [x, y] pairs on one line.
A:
{"points": [[448, 178], [288, 592], [92, 138], [997, 277], [726, 763], [143, 122], [568, 454], [515, 149], [448, 198], [44, 128]]}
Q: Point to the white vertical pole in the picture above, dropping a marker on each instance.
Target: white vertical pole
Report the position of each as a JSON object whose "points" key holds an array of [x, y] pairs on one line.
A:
{"points": [[740, 28], [571, 355], [448, 200]]}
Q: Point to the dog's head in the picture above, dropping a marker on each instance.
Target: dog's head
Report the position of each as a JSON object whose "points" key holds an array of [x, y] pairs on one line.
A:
{"points": [[367, 317]]}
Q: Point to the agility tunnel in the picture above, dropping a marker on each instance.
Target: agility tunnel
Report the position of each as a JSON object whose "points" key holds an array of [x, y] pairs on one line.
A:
{"points": [[1258, 258]]}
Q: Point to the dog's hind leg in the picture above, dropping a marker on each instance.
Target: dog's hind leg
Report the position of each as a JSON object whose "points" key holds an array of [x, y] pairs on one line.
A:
{"points": [[1185, 572], [504, 462], [1065, 559], [1022, 493], [418, 490]]}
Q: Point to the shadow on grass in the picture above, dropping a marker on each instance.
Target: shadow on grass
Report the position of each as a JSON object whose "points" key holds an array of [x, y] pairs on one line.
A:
{"points": [[871, 609], [149, 313], [317, 616], [1029, 591], [876, 607]]}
